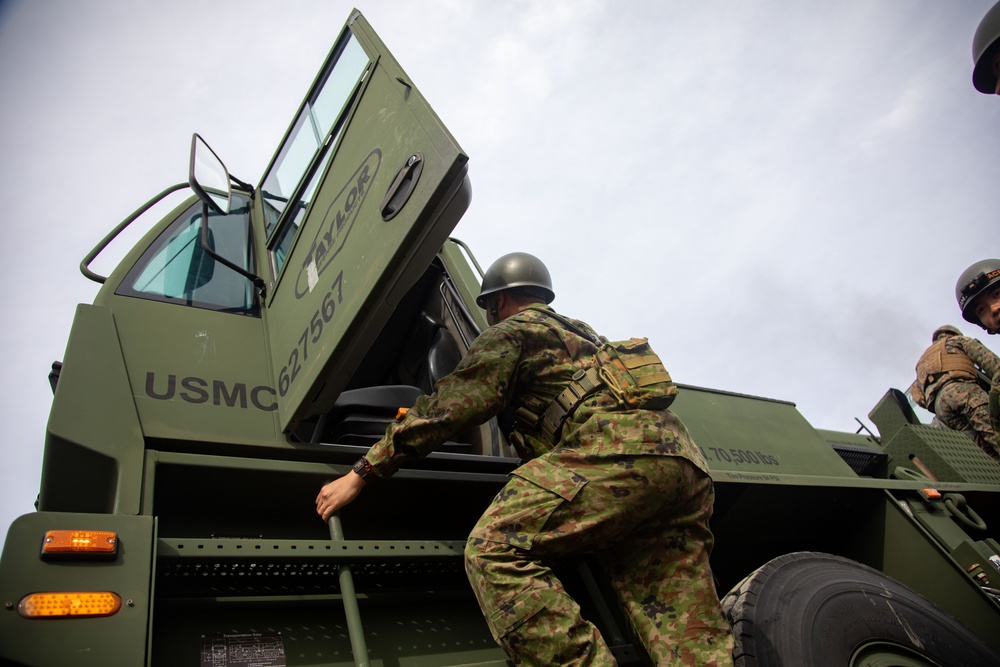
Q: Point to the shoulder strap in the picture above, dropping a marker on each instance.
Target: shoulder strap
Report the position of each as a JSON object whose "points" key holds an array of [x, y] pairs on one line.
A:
{"points": [[584, 383], [571, 325]]}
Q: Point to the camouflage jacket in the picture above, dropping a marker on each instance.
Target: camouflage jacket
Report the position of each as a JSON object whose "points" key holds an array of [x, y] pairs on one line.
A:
{"points": [[525, 361], [983, 358]]}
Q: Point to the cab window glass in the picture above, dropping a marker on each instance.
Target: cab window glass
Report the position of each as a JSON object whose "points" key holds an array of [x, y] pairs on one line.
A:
{"points": [[283, 240], [318, 120], [176, 269]]}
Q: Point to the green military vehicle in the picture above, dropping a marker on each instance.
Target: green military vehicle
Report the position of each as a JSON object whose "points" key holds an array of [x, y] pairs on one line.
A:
{"points": [[259, 339]]}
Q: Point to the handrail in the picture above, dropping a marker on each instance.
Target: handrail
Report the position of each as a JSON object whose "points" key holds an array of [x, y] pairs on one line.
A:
{"points": [[468, 253], [354, 628], [85, 264]]}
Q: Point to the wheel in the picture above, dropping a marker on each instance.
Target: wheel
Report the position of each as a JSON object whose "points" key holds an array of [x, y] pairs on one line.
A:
{"points": [[816, 610]]}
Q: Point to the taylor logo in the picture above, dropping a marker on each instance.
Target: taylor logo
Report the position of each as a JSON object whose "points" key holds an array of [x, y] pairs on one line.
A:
{"points": [[332, 232]]}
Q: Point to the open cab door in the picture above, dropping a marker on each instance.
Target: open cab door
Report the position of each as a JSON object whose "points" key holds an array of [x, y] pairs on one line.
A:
{"points": [[364, 190]]}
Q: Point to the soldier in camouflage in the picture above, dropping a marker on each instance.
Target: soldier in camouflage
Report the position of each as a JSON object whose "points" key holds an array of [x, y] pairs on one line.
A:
{"points": [[986, 53], [978, 294], [629, 486], [947, 384]]}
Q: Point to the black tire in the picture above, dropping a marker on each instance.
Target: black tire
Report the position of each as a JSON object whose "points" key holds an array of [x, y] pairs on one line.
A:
{"points": [[816, 610]]}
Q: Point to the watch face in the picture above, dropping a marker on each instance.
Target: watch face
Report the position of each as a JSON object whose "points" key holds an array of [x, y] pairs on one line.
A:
{"points": [[363, 468]]}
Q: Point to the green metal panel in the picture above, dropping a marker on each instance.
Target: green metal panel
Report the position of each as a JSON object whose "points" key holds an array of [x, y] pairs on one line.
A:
{"points": [[914, 557], [745, 438], [348, 266], [466, 281], [81, 642], [93, 445], [952, 455], [197, 496], [415, 630], [197, 374], [213, 576]]}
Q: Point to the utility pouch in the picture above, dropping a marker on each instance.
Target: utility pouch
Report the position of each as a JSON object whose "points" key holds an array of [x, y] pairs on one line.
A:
{"points": [[917, 393], [628, 369], [635, 375]]}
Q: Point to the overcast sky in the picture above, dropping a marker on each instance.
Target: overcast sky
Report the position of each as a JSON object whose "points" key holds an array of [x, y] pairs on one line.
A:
{"points": [[780, 195]]}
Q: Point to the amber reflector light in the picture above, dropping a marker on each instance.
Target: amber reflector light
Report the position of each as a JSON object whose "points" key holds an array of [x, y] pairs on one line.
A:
{"points": [[63, 605], [80, 541]]}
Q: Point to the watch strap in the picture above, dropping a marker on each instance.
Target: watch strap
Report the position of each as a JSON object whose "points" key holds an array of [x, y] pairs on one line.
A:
{"points": [[364, 469]]}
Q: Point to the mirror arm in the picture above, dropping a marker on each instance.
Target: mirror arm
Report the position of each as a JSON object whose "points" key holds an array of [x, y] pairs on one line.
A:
{"points": [[255, 279], [246, 186]]}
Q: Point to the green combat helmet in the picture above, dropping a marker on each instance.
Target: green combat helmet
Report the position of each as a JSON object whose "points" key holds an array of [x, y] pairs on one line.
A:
{"points": [[944, 329], [974, 281], [985, 44], [517, 269]]}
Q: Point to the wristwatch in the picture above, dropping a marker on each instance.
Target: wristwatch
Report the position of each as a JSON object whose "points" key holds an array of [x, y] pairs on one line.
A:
{"points": [[364, 469]]}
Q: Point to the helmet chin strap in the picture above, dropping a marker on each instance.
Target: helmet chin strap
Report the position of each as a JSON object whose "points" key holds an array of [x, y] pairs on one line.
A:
{"points": [[493, 307]]}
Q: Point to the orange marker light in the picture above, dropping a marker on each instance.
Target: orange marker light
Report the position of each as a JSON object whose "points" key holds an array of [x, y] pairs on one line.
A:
{"points": [[930, 494], [63, 605], [80, 541]]}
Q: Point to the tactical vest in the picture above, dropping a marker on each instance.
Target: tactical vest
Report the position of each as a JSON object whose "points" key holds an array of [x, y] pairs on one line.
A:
{"points": [[934, 364], [628, 370]]}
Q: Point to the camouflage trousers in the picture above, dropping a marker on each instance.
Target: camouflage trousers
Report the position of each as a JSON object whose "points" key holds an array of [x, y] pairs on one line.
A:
{"points": [[644, 517], [995, 404], [964, 406]]}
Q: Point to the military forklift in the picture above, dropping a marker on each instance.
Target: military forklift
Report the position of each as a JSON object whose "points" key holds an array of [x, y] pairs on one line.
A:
{"points": [[259, 339]]}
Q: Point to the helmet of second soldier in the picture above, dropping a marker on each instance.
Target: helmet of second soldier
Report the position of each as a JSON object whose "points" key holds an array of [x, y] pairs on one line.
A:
{"points": [[985, 45], [976, 280], [517, 269], [944, 329]]}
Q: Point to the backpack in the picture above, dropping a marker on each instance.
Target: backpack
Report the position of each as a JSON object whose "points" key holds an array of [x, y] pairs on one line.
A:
{"points": [[629, 369], [634, 374]]}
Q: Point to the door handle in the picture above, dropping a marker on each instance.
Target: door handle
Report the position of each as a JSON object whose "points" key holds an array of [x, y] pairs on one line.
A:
{"points": [[402, 186]]}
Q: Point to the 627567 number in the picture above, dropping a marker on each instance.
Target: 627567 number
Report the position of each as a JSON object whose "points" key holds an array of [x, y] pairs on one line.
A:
{"points": [[312, 334]]}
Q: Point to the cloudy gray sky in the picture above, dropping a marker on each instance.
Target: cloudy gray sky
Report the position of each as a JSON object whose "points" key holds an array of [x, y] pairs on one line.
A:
{"points": [[779, 194]]}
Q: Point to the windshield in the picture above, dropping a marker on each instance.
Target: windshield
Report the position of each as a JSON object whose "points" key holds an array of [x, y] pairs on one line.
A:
{"points": [[175, 269]]}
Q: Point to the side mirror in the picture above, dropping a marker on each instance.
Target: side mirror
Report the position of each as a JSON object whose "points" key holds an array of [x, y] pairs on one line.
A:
{"points": [[208, 177], [210, 180]]}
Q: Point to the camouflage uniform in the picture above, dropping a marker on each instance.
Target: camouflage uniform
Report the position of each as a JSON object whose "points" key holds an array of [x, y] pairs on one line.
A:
{"points": [[995, 405], [630, 486], [959, 402]]}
